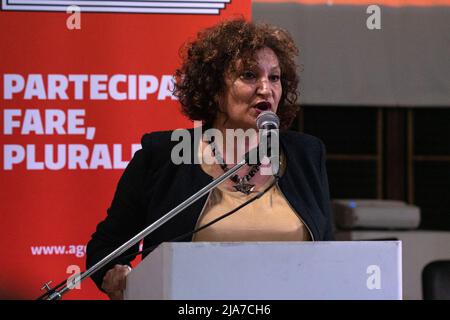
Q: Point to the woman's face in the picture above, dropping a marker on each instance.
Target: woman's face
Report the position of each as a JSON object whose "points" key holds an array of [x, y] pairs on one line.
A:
{"points": [[254, 90]]}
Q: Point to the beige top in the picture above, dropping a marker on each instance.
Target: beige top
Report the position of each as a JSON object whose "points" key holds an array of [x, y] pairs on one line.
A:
{"points": [[269, 218]]}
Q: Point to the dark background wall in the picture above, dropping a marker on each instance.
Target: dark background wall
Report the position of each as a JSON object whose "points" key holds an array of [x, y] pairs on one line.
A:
{"points": [[387, 153]]}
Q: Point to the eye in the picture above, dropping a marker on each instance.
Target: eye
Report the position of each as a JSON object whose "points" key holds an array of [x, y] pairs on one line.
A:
{"points": [[275, 78], [248, 75]]}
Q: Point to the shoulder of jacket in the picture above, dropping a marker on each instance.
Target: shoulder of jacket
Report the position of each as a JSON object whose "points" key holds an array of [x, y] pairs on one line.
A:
{"points": [[159, 144], [156, 139]]}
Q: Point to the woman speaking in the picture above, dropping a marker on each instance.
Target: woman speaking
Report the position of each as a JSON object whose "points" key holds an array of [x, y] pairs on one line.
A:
{"points": [[230, 74]]}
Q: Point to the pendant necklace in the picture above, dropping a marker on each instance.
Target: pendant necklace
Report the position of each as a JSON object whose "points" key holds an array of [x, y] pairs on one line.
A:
{"points": [[242, 184]]}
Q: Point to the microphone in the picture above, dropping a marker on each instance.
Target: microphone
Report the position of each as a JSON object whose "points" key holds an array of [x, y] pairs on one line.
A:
{"points": [[268, 123], [267, 120]]}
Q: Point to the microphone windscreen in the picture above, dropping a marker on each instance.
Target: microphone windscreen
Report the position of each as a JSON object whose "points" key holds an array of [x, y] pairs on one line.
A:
{"points": [[267, 119]]}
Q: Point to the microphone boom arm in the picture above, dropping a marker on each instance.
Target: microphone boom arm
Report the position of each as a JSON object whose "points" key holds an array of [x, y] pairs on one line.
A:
{"points": [[53, 294]]}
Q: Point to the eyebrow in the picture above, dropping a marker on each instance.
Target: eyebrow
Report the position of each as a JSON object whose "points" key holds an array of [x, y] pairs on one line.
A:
{"points": [[275, 68], [256, 66]]}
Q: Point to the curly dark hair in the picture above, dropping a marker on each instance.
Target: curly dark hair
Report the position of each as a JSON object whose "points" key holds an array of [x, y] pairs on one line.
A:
{"points": [[216, 52]]}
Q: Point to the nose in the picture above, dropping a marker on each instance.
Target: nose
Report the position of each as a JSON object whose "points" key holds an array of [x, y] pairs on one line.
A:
{"points": [[263, 88]]}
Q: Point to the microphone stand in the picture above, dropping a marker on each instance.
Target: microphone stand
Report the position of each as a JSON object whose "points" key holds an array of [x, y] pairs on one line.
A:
{"points": [[56, 294]]}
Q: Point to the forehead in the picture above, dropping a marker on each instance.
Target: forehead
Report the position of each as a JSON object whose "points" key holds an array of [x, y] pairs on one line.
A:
{"points": [[264, 57]]}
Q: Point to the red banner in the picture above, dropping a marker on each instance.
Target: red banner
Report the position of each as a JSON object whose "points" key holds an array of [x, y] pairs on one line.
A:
{"points": [[79, 87]]}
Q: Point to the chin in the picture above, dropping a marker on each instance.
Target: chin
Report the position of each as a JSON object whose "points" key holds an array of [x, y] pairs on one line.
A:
{"points": [[248, 125], [250, 122]]}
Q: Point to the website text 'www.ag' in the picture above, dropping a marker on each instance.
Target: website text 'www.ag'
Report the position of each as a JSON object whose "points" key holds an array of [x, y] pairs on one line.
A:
{"points": [[77, 250]]}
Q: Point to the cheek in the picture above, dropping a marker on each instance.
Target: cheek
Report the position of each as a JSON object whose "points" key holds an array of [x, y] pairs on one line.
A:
{"points": [[242, 91], [278, 93], [245, 92]]}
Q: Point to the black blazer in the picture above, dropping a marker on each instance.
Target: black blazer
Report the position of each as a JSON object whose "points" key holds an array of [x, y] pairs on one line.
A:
{"points": [[152, 185]]}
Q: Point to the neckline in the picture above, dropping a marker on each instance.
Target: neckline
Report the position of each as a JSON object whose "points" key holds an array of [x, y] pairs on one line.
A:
{"points": [[198, 166]]}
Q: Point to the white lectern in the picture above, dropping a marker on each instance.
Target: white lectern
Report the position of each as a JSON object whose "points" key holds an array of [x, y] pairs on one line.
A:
{"points": [[269, 271]]}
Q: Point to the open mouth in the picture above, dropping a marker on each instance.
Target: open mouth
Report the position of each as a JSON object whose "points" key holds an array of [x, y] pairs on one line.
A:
{"points": [[263, 106]]}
